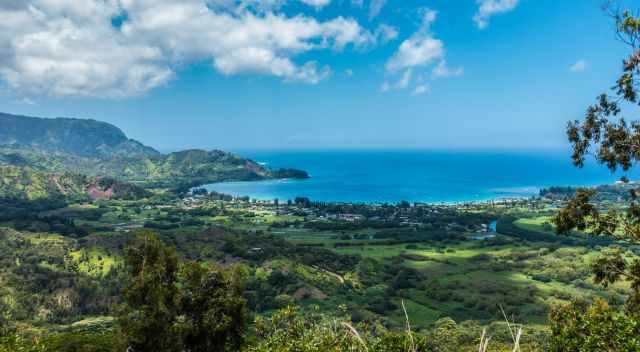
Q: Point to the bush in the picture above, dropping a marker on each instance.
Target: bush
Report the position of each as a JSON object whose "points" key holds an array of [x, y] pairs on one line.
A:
{"points": [[541, 278], [596, 327]]}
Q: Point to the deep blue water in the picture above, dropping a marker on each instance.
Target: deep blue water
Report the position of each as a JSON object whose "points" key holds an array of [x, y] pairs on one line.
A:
{"points": [[417, 175]]}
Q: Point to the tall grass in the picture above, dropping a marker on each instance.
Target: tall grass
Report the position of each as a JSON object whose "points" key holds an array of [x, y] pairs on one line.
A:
{"points": [[515, 331]]}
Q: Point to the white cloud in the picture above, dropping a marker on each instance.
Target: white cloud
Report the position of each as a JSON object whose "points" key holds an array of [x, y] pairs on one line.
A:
{"points": [[71, 48], [386, 33], [421, 50], [238, 6], [64, 48], [348, 72], [580, 66], [418, 50], [375, 7], [317, 3], [405, 80], [444, 71], [421, 89], [489, 8]]}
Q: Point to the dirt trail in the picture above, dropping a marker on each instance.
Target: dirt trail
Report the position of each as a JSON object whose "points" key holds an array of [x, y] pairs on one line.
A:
{"points": [[337, 276]]}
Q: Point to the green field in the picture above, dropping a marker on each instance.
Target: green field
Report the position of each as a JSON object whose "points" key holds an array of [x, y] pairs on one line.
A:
{"points": [[481, 277], [539, 224], [438, 271]]}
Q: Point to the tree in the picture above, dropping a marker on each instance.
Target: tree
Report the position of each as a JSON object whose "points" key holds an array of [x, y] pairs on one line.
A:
{"points": [[606, 134], [147, 319], [596, 327], [168, 307], [212, 308], [4, 312]]}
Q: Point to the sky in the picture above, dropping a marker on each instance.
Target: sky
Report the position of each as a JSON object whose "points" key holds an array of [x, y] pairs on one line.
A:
{"points": [[319, 74]]}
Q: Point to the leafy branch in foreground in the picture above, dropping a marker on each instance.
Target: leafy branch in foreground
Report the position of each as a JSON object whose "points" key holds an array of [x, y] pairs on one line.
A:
{"points": [[613, 141], [616, 144]]}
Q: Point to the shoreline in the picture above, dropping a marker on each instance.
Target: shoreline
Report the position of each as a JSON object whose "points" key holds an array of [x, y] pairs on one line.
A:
{"points": [[477, 201], [516, 194]]}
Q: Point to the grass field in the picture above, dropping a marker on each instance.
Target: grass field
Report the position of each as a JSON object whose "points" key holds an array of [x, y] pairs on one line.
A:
{"points": [[540, 224], [464, 279], [523, 276]]}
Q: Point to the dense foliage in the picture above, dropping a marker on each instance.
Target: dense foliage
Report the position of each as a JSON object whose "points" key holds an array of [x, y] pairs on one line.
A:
{"points": [[594, 327], [168, 308], [148, 319], [616, 144]]}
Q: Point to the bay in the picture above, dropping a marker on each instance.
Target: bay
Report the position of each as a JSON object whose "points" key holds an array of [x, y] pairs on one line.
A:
{"points": [[389, 176]]}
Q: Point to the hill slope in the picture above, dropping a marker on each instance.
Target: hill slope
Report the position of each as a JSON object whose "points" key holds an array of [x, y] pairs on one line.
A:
{"points": [[99, 149], [87, 138], [25, 184]]}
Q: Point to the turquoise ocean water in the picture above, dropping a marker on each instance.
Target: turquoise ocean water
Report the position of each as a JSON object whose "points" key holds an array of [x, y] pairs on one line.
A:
{"points": [[374, 176]]}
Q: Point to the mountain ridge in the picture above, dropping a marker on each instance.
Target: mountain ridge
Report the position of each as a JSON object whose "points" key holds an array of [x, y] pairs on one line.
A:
{"points": [[84, 137], [96, 148]]}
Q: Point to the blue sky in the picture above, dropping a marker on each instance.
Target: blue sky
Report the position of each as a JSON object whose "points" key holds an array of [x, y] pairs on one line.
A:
{"points": [[314, 73]]}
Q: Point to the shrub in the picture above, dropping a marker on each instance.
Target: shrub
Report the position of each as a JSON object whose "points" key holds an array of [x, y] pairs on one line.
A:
{"points": [[596, 327]]}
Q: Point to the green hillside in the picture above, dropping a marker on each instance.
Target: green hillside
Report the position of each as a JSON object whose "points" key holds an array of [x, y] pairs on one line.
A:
{"points": [[88, 138], [99, 149], [25, 184]]}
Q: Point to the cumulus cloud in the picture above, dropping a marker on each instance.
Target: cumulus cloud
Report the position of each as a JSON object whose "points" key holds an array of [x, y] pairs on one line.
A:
{"points": [[489, 8], [386, 33], [405, 80], [420, 51], [444, 71], [317, 3], [239, 6], [73, 48], [580, 66]]}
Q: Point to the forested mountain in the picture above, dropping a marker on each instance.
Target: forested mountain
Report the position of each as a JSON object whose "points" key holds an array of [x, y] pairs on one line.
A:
{"points": [[99, 149], [88, 138]]}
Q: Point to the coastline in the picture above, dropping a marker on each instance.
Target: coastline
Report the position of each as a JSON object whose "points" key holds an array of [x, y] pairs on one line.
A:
{"points": [[517, 194], [387, 177]]}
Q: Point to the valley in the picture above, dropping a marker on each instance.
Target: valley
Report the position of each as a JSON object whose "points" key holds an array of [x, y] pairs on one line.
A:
{"points": [[361, 260]]}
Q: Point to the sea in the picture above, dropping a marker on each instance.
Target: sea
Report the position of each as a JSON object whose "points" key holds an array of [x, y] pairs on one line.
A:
{"points": [[429, 176]]}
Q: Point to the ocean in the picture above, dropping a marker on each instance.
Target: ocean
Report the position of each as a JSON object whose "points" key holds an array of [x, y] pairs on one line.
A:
{"points": [[377, 176]]}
